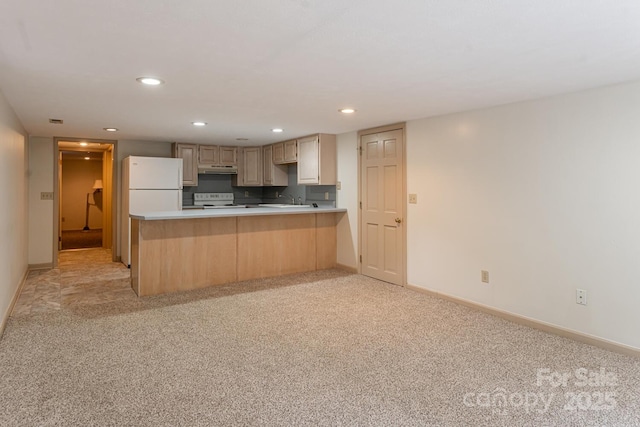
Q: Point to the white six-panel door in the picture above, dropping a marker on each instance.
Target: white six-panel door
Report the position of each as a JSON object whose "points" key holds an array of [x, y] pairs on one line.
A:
{"points": [[382, 214]]}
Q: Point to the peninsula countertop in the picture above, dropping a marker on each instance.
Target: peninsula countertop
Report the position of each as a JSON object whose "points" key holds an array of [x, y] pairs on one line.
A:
{"points": [[233, 212], [185, 250]]}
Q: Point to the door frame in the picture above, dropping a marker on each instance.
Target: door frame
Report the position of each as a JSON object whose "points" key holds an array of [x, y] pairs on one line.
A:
{"points": [[56, 192], [396, 126]]}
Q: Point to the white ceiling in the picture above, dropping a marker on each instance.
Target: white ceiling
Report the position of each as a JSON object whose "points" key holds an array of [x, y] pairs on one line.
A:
{"points": [[247, 66]]}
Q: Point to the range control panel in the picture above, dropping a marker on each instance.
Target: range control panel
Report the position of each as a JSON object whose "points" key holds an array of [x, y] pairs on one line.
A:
{"points": [[201, 199]]}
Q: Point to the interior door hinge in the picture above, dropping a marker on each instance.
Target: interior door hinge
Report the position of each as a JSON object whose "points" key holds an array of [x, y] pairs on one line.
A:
{"points": [[360, 205], [360, 150], [360, 258]]}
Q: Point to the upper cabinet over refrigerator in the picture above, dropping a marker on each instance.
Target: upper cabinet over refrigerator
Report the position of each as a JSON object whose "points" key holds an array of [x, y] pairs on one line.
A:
{"points": [[148, 173]]}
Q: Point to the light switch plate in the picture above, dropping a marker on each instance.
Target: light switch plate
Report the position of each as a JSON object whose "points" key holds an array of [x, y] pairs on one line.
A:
{"points": [[413, 199], [46, 195], [484, 276]]}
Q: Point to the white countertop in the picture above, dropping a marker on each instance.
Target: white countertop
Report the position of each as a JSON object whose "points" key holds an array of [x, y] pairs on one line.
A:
{"points": [[221, 213]]}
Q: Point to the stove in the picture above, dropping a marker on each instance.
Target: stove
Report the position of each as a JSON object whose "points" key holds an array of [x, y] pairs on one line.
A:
{"points": [[215, 201]]}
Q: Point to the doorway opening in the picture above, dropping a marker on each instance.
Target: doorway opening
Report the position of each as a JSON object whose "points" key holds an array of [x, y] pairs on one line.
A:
{"points": [[84, 195]]}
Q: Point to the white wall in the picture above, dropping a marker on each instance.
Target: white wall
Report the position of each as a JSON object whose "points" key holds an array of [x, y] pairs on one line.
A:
{"points": [[41, 155], [347, 197], [545, 196], [13, 205]]}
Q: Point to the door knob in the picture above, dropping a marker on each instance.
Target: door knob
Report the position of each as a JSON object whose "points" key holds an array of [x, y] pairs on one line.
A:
{"points": [[398, 220]]}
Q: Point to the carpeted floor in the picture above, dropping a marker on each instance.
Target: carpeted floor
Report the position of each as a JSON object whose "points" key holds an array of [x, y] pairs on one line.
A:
{"points": [[80, 239], [324, 348]]}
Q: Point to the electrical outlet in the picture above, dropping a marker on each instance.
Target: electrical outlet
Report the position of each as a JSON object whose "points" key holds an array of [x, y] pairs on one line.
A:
{"points": [[413, 199], [326, 195], [338, 185], [46, 195], [277, 194], [581, 297], [484, 276], [246, 194]]}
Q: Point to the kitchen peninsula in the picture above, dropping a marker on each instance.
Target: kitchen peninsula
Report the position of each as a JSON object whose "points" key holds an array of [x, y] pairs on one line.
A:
{"points": [[184, 250]]}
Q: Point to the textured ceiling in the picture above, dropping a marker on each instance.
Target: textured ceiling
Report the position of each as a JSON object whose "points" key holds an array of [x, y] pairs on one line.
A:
{"points": [[245, 67]]}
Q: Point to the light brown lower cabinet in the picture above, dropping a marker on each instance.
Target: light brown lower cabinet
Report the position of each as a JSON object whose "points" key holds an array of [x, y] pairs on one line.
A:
{"points": [[184, 254]]}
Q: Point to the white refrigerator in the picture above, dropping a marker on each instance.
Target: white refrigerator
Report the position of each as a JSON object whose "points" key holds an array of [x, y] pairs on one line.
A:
{"points": [[149, 184]]}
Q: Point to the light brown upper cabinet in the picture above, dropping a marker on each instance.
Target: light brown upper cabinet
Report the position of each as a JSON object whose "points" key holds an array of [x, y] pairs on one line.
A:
{"points": [[285, 152], [189, 155], [249, 167], [291, 151], [228, 156], [215, 155], [278, 153], [274, 175], [317, 160], [208, 155]]}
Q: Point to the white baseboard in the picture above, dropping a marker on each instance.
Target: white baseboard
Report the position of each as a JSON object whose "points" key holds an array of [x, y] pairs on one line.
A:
{"points": [[536, 324], [44, 266], [14, 300]]}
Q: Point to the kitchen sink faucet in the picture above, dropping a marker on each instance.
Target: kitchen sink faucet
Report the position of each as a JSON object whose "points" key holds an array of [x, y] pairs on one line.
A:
{"points": [[293, 199]]}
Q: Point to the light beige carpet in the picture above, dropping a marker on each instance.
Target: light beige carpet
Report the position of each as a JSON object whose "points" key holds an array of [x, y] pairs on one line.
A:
{"points": [[321, 348]]}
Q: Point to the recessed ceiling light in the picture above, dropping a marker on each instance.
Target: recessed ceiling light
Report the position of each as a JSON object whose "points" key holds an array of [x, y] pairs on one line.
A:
{"points": [[151, 81], [347, 110], [199, 123], [87, 158], [277, 130], [83, 144], [242, 139], [110, 129]]}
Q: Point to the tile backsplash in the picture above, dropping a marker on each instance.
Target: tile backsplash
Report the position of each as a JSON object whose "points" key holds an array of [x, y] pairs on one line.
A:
{"points": [[306, 194]]}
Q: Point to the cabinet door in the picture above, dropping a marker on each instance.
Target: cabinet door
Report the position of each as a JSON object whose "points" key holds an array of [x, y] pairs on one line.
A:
{"points": [[229, 156], [252, 166], [317, 160], [274, 174], [267, 167], [189, 155], [290, 151], [308, 160], [237, 180], [209, 154], [278, 153]]}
